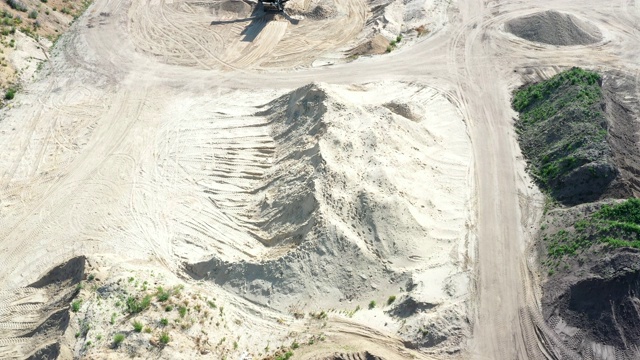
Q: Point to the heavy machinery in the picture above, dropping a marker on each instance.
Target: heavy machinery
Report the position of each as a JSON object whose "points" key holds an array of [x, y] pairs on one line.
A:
{"points": [[273, 6]]}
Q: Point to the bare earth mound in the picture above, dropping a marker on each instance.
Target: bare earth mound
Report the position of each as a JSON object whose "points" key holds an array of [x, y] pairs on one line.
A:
{"points": [[554, 28], [340, 220]]}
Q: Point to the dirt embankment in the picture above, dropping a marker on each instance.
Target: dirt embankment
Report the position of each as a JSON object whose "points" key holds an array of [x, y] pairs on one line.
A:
{"points": [[580, 139], [35, 317], [28, 30], [554, 28]]}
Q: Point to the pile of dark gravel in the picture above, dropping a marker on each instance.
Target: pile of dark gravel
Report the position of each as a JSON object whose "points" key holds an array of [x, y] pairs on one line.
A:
{"points": [[554, 28]]}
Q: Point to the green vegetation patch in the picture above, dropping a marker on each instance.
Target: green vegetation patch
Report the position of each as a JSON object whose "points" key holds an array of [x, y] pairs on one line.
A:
{"points": [[562, 131], [135, 306], [615, 226]]}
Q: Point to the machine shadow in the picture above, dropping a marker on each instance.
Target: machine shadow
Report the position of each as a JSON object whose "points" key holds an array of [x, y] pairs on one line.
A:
{"points": [[258, 21]]}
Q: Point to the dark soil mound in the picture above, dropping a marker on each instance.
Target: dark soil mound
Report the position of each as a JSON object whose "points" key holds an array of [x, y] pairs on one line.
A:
{"points": [[554, 28], [562, 131], [579, 139], [600, 308], [590, 251], [47, 352], [72, 271]]}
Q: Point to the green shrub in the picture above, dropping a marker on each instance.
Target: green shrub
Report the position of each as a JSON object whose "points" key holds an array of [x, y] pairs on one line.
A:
{"points": [[164, 322], [10, 94], [135, 306], [285, 356], [164, 338], [391, 299], [137, 326], [372, 304], [616, 225], [162, 295], [182, 310], [75, 306], [118, 339], [33, 14]]}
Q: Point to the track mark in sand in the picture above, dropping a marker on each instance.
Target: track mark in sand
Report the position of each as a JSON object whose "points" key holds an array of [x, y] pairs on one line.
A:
{"points": [[227, 157], [205, 34], [265, 41]]}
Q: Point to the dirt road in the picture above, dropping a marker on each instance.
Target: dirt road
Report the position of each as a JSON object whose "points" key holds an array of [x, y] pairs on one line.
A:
{"points": [[472, 60]]}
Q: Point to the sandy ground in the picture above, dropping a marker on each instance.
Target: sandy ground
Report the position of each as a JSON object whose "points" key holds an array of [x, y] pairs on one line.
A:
{"points": [[143, 143]]}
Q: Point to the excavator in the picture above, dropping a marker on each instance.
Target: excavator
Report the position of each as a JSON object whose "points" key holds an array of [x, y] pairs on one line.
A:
{"points": [[273, 6], [269, 8]]}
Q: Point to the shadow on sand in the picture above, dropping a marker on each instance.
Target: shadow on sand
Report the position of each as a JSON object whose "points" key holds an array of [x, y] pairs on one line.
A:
{"points": [[258, 21]]}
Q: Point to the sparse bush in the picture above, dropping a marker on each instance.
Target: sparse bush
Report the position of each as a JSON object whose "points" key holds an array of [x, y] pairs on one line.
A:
{"points": [[75, 306], [164, 338], [135, 306], [182, 310], [147, 330], [17, 5], [33, 14], [320, 315], [11, 93], [391, 299], [372, 304], [295, 345], [164, 322], [162, 295], [118, 339], [137, 326], [285, 356]]}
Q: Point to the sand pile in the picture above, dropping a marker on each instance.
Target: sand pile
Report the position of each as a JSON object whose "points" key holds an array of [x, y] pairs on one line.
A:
{"points": [[554, 28], [326, 197], [341, 216], [377, 45]]}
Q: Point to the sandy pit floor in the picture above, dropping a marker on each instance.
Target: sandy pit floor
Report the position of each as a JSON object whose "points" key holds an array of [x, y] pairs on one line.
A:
{"points": [[379, 204]]}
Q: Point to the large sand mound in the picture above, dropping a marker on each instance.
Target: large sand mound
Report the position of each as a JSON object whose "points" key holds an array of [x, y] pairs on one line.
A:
{"points": [[341, 216], [554, 28], [322, 197]]}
